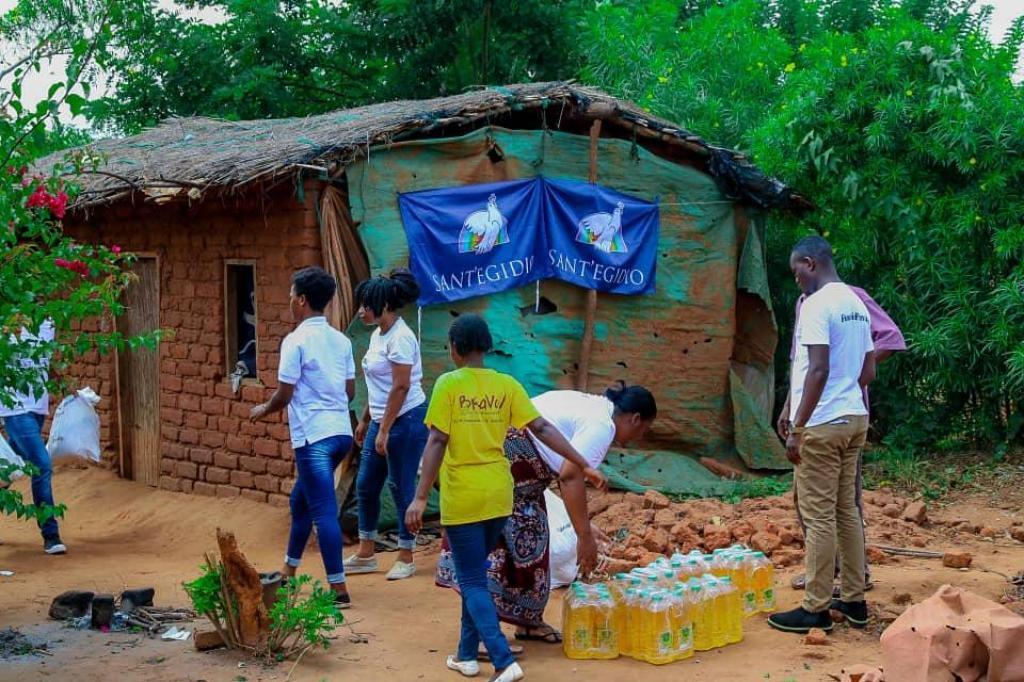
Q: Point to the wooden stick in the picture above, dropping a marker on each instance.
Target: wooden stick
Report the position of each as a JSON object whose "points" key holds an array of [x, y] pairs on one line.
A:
{"points": [[586, 348], [919, 553]]}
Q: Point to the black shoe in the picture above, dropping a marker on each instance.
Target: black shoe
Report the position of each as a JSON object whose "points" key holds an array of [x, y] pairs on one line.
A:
{"points": [[856, 612], [800, 621], [342, 601], [54, 546]]}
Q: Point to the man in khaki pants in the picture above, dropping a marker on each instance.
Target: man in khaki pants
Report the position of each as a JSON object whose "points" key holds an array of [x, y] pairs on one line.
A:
{"points": [[834, 361]]}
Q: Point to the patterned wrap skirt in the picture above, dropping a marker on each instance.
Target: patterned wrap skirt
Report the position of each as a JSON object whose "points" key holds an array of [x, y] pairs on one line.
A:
{"points": [[518, 574]]}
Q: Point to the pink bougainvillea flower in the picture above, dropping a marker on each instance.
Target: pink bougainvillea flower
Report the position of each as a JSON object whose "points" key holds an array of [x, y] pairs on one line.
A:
{"points": [[40, 198], [74, 265], [115, 249], [58, 204]]}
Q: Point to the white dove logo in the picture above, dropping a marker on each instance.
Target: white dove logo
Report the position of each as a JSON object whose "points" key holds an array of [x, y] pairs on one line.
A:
{"points": [[483, 230], [603, 230]]}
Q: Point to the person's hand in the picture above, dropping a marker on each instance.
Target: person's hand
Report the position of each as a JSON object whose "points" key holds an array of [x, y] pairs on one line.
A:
{"points": [[258, 412], [783, 425], [361, 428], [595, 478], [414, 515], [793, 443], [381, 444], [599, 535], [586, 554]]}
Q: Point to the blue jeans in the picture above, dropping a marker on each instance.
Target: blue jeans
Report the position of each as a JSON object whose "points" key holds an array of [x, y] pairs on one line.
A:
{"points": [[471, 543], [313, 501], [25, 433], [406, 440]]}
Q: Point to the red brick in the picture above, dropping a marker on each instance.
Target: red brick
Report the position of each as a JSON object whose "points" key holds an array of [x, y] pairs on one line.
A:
{"points": [[239, 444], [170, 383], [227, 424], [197, 353], [188, 368], [215, 407], [280, 468], [254, 394], [210, 339], [168, 483], [212, 439], [188, 437], [169, 433], [207, 489], [277, 500], [267, 483], [255, 495], [227, 491], [240, 410], [166, 466], [279, 431], [186, 485], [189, 402], [256, 465], [217, 475], [197, 387], [287, 484], [248, 428], [168, 367], [201, 455], [174, 451], [243, 479], [211, 372], [186, 470], [267, 448], [171, 416], [196, 420], [226, 460], [178, 351]]}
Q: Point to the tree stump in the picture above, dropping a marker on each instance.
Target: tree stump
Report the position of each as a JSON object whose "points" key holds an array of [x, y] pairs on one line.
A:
{"points": [[246, 587]]}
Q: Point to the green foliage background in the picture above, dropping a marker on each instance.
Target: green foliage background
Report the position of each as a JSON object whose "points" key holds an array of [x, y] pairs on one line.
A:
{"points": [[901, 120]]}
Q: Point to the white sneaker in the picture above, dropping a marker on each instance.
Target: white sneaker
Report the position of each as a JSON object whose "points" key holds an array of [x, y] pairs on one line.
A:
{"points": [[513, 673], [355, 564], [401, 570], [466, 668]]}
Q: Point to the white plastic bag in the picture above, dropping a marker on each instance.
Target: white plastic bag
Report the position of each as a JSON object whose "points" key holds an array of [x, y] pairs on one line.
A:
{"points": [[8, 456], [562, 541], [75, 431]]}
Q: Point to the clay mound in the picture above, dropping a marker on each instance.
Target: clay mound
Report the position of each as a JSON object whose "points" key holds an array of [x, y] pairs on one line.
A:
{"points": [[642, 531]]}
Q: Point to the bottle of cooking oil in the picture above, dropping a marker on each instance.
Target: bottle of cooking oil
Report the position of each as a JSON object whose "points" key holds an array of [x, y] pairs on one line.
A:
{"points": [[745, 583], [661, 646], [716, 609], [642, 625], [576, 622], [604, 637], [626, 625], [682, 622], [702, 635], [734, 611], [763, 578]]}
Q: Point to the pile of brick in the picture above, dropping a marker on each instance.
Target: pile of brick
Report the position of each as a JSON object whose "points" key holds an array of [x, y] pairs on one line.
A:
{"points": [[643, 527]]}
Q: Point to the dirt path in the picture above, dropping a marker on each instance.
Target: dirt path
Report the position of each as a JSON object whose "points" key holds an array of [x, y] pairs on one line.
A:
{"points": [[125, 535]]}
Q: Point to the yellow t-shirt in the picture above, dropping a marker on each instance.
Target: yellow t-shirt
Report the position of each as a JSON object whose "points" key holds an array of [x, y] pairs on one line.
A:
{"points": [[475, 407]]}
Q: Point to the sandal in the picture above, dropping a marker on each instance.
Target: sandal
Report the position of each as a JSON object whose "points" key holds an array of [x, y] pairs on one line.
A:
{"points": [[482, 654], [549, 636]]}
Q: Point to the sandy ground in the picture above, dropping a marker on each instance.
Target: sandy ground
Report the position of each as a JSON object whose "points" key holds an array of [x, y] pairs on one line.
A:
{"points": [[121, 534]]}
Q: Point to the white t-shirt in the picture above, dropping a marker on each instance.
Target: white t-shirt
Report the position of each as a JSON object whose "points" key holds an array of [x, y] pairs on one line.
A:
{"points": [[39, 401], [833, 316], [583, 418], [317, 359], [398, 346]]}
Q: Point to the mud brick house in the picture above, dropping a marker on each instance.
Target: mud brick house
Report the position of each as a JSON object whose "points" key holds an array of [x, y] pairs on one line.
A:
{"points": [[221, 213]]}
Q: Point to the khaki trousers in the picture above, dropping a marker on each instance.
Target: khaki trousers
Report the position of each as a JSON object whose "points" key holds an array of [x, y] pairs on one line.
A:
{"points": [[826, 484]]}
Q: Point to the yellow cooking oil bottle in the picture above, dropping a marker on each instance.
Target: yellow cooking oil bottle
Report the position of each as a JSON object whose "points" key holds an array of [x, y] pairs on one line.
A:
{"points": [[702, 635], [604, 636], [660, 644], [719, 613], [748, 593], [734, 611], [763, 579], [577, 622], [682, 622], [641, 625]]}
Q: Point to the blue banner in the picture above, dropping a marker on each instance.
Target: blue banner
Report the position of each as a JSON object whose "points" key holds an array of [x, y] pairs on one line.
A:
{"points": [[474, 240], [598, 238], [479, 239]]}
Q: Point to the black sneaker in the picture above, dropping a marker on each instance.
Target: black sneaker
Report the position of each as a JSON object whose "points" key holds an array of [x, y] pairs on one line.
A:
{"points": [[856, 612], [800, 621], [54, 546], [342, 601]]}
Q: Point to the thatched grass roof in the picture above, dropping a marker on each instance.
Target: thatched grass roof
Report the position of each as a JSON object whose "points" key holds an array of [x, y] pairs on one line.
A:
{"points": [[191, 156]]}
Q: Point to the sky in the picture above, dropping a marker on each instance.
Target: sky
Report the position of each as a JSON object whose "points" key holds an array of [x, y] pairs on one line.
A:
{"points": [[35, 89]]}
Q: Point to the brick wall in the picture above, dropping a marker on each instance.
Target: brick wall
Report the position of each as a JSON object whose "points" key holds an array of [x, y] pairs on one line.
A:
{"points": [[207, 444]]}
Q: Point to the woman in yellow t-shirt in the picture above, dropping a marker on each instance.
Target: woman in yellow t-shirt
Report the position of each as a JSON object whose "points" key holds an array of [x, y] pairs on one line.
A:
{"points": [[470, 412]]}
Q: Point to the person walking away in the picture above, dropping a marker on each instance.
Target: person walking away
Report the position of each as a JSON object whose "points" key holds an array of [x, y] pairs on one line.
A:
{"points": [[315, 381], [23, 415], [470, 412], [520, 565], [834, 361], [391, 431], [887, 339]]}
